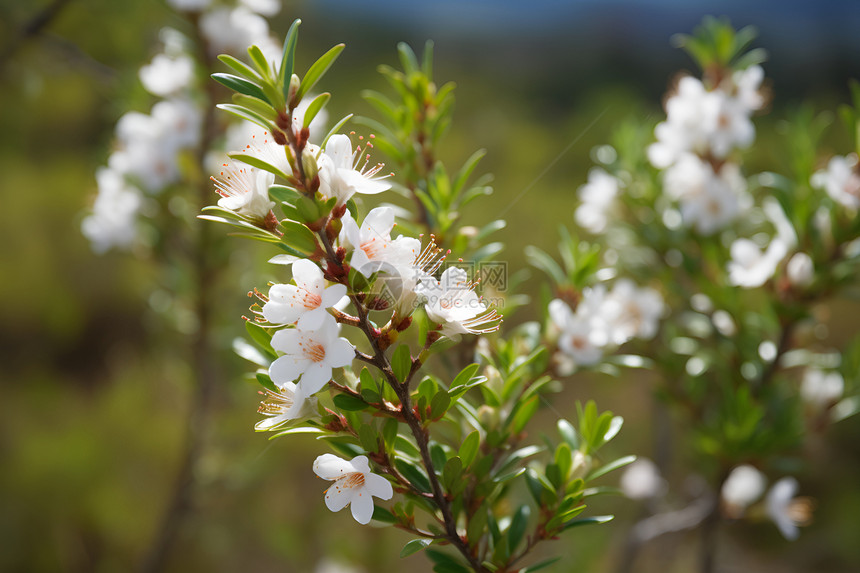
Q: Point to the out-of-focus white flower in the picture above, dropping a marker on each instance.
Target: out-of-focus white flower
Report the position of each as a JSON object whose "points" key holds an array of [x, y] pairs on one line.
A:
{"points": [[452, 302], [373, 248], [743, 487], [821, 389], [167, 75], [751, 267], [785, 510], [112, 222], [729, 125], [354, 484], [262, 7], [179, 122], [232, 30], [190, 5], [642, 480], [581, 337], [597, 196], [841, 180], [800, 270], [327, 565], [346, 172], [687, 113], [709, 201], [245, 190], [747, 85], [283, 406], [724, 323], [304, 303], [632, 312], [309, 354]]}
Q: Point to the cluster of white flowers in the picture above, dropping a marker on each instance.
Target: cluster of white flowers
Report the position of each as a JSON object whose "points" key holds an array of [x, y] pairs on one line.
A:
{"points": [[149, 147], [751, 266], [745, 485], [605, 319], [703, 126], [400, 275]]}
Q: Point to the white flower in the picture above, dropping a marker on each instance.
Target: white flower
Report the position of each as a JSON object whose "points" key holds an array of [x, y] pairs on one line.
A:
{"points": [[262, 7], [687, 113], [576, 339], [287, 404], [112, 223], [453, 303], [167, 75], [785, 510], [179, 123], [743, 487], [231, 31], [709, 201], [190, 5], [631, 312], [800, 270], [354, 484], [598, 196], [374, 250], [840, 180], [304, 303], [747, 85], [642, 480], [821, 389], [751, 267], [728, 126], [346, 173], [309, 354], [245, 190]]}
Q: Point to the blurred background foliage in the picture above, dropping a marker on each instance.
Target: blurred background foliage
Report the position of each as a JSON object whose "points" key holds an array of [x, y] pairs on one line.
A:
{"points": [[94, 382]]}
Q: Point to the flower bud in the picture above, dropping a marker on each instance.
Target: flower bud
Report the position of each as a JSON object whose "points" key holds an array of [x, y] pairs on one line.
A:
{"points": [[488, 416], [581, 465], [800, 270], [309, 164], [295, 83]]}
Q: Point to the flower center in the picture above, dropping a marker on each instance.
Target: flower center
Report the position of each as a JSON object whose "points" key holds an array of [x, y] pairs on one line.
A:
{"points": [[316, 352], [311, 300], [275, 403], [371, 247], [352, 480]]}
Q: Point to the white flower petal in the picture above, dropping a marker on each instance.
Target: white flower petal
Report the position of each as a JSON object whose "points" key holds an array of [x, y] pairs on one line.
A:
{"points": [[340, 353], [336, 497], [378, 486], [362, 506], [331, 467], [314, 378], [286, 369]]}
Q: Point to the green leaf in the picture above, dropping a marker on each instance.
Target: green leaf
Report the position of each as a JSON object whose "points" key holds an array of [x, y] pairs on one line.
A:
{"points": [[439, 404], [299, 237], [541, 565], [414, 546], [415, 475], [246, 114], [250, 352], [335, 129], [241, 85], [258, 58], [261, 336], [240, 67], [349, 403], [289, 57], [464, 376], [518, 526], [382, 515], [401, 362], [588, 521], [318, 70], [469, 448], [451, 473], [314, 108], [258, 163], [368, 382], [265, 381], [367, 436], [524, 414], [611, 466]]}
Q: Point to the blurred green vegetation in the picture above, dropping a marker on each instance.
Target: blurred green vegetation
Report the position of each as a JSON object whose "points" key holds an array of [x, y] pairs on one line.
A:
{"points": [[94, 382]]}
